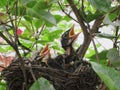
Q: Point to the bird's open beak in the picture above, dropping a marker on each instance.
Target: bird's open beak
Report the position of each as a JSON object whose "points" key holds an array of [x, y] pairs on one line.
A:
{"points": [[72, 34], [45, 51]]}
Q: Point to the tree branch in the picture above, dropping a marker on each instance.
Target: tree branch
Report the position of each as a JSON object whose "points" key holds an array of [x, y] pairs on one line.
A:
{"points": [[15, 46], [12, 44], [87, 34], [79, 17]]}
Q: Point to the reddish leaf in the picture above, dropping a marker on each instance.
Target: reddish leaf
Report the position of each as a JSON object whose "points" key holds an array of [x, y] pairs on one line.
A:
{"points": [[5, 61]]}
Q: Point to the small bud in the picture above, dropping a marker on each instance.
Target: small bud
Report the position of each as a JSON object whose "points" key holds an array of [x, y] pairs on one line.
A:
{"points": [[19, 31]]}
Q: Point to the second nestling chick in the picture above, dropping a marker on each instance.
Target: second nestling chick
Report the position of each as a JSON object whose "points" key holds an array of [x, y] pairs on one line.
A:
{"points": [[47, 60], [41, 57]]}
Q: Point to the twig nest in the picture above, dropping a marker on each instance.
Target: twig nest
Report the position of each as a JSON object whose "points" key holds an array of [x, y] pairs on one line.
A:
{"points": [[21, 78]]}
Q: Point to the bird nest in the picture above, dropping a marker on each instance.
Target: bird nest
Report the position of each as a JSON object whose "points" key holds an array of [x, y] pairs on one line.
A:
{"points": [[22, 73]]}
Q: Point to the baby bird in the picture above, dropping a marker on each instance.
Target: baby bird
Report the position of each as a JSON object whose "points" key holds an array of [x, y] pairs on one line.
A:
{"points": [[47, 60], [67, 40]]}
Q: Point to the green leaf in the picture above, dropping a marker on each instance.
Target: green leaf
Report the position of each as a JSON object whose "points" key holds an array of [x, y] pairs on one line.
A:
{"points": [[101, 55], [112, 16], [104, 35], [58, 18], [56, 47], [26, 43], [38, 23], [28, 27], [40, 14], [104, 5], [31, 4], [91, 16], [5, 48], [21, 11], [42, 84], [3, 3], [66, 18], [114, 57], [24, 2], [2, 84], [41, 5], [28, 18], [45, 37], [56, 33], [2, 87], [52, 35], [52, 1], [110, 76]]}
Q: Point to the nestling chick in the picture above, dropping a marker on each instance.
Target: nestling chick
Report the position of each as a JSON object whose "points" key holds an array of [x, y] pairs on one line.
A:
{"points": [[67, 40]]}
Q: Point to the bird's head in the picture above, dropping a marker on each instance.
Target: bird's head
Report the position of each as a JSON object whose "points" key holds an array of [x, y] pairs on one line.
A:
{"points": [[68, 38], [45, 54]]}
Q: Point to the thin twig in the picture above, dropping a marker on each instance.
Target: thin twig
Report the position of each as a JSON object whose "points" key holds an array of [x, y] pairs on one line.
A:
{"points": [[117, 36], [9, 35], [38, 34], [7, 40], [15, 25], [24, 47], [66, 12], [42, 28], [31, 71], [96, 51]]}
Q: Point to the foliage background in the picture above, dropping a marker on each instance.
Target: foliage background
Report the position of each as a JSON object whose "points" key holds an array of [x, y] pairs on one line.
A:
{"points": [[29, 24]]}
